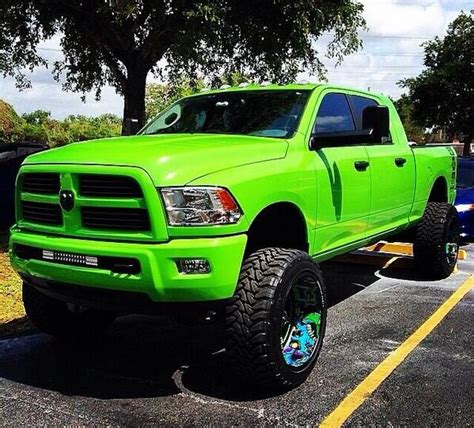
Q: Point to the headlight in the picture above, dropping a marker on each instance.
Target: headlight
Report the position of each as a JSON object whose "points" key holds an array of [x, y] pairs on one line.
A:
{"points": [[465, 207], [197, 206]]}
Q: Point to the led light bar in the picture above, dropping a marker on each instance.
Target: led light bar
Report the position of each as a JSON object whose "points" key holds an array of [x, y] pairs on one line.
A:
{"points": [[78, 259]]}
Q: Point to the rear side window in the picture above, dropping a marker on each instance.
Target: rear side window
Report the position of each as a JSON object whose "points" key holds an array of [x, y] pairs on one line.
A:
{"points": [[334, 115], [359, 104]]}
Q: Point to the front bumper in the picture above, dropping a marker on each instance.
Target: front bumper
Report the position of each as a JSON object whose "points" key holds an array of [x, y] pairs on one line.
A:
{"points": [[159, 277]]}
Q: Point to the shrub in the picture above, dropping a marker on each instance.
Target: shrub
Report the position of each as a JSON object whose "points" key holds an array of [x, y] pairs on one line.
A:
{"points": [[11, 125], [39, 126]]}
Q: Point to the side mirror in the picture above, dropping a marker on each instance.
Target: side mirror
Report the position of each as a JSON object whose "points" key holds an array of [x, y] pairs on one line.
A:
{"points": [[377, 120]]}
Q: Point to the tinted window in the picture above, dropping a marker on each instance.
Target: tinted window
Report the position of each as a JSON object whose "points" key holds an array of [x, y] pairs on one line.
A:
{"points": [[334, 115], [359, 104], [260, 113]]}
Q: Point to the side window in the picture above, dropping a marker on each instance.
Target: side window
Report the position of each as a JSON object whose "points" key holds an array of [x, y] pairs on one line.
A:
{"points": [[334, 115], [358, 105]]}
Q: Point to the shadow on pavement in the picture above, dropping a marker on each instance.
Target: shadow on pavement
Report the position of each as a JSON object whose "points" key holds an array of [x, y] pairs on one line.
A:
{"points": [[148, 357], [16, 328]]}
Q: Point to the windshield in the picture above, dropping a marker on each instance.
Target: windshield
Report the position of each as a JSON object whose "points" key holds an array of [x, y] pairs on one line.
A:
{"points": [[260, 113], [465, 175]]}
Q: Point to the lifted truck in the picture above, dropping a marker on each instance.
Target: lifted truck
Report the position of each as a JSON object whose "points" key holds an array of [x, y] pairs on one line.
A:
{"points": [[227, 201]]}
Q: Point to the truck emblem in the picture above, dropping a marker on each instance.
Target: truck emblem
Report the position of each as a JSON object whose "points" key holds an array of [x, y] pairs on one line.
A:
{"points": [[66, 200]]}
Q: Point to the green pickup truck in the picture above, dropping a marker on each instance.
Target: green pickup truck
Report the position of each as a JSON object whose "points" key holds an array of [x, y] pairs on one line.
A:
{"points": [[221, 208]]}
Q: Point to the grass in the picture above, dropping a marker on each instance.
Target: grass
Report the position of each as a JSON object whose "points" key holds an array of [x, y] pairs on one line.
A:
{"points": [[12, 314]]}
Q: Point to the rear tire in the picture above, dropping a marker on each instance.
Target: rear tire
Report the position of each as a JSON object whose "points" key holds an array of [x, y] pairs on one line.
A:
{"points": [[61, 320], [437, 241], [276, 321]]}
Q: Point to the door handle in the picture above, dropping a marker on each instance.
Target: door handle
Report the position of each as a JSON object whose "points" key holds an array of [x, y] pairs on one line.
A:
{"points": [[361, 165], [400, 161]]}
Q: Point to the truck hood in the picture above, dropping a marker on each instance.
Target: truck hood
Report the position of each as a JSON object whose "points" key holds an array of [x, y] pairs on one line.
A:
{"points": [[169, 159]]}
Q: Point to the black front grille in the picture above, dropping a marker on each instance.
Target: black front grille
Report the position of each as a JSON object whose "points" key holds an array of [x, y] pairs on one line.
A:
{"points": [[133, 219], [36, 212], [45, 183], [117, 186]]}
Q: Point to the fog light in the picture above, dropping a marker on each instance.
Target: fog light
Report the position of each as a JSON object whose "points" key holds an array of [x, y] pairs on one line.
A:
{"points": [[188, 266]]}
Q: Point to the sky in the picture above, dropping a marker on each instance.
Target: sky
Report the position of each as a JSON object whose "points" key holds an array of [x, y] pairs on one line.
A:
{"points": [[391, 51]]}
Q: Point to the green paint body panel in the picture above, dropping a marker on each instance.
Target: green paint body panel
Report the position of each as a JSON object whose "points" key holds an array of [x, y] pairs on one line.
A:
{"points": [[159, 277], [343, 208]]}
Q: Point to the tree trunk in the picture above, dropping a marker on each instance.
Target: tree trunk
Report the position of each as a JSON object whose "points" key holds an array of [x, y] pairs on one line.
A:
{"points": [[467, 146], [134, 98]]}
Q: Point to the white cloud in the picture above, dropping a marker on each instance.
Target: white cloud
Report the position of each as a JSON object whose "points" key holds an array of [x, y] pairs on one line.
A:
{"points": [[422, 18], [46, 94], [392, 50]]}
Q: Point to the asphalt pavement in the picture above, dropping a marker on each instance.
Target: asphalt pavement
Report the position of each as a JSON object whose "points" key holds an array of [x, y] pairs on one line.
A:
{"points": [[148, 371]]}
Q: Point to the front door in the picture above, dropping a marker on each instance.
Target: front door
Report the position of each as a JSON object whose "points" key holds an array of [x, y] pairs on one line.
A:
{"points": [[343, 179], [392, 172]]}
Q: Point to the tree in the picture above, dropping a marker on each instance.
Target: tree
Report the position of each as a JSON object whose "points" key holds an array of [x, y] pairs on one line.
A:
{"points": [[10, 124], [159, 96], [118, 42], [37, 117], [405, 111], [40, 127], [443, 95]]}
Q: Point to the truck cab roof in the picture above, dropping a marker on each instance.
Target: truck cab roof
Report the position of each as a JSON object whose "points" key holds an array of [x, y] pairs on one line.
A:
{"points": [[278, 87]]}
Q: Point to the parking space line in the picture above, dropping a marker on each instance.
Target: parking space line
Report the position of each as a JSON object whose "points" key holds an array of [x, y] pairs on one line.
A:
{"points": [[353, 401]]}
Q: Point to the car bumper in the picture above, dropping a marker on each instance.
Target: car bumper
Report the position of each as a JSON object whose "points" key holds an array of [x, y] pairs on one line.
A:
{"points": [[158, 278]]}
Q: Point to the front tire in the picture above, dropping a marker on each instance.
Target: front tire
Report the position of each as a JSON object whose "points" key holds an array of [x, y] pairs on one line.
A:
{"points": [[276, 321], [61, 320], [437, 240]]}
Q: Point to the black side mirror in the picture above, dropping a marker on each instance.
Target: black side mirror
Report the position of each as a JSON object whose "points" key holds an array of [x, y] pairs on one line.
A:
{"points": [[376, 119]]}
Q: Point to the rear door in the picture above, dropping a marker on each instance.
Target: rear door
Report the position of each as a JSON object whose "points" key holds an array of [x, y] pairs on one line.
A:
{"points": [[343, 179], [392, 175]]}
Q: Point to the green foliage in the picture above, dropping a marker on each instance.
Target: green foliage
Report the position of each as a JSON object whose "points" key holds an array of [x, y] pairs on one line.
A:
{"points": [[233, 78], [414, 131], [38, 126], [119, 42], [443, 95], [159, 96], [37, 117], [10, 124], [80, 128]]}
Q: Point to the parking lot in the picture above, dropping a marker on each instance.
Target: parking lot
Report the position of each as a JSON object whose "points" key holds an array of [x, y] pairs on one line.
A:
{"points": [[148, 371]]}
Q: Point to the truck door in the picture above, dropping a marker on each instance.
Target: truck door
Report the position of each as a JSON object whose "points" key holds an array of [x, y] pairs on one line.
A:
{"points": [[392, 173], [343, 179]]}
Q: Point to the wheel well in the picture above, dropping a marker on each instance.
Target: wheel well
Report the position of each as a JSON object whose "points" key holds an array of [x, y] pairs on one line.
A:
{"points": [[279, 225], [439, 192]]}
